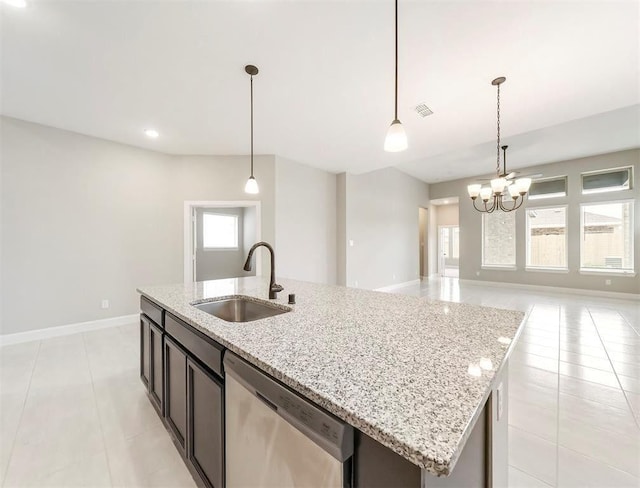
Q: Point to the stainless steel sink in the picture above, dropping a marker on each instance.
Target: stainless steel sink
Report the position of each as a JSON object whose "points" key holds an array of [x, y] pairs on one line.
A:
{"points": [[240, 309]]}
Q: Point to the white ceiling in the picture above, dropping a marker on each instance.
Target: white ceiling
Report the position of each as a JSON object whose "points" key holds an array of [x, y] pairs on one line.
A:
{"points": [[324, 95]]}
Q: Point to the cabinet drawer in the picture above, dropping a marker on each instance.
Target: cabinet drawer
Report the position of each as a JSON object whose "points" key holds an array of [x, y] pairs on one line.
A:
{"points": [[153, 311], [199, 345]]}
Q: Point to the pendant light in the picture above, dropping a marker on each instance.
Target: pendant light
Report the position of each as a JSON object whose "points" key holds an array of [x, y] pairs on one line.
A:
{"points": [[503, 183], [396, 139], [252, 185]]}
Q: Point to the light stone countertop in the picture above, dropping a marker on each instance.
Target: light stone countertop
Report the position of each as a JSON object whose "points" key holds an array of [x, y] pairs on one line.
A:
{"points": [[393, 366]]}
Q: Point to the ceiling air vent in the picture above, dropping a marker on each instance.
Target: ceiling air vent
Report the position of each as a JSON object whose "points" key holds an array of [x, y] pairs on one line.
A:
{"points": [[423, 110]]}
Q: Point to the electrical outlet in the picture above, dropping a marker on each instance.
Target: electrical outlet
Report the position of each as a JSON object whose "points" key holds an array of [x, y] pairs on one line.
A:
{"points": [[477, 273], [105, 303], [351, 243], [355, 283], [607, 282], [499, 394], [394, 276]]}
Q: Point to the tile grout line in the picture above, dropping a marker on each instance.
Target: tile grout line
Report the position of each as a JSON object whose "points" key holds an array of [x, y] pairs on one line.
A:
{"points": [[633, 413], [530, 475], [95, 402], [24, 402]]}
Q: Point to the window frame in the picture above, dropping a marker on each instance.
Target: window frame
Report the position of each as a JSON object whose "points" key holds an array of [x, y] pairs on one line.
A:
{"points": [[605, 171], [608, 271], [550, 195], [237, 232], [499, 267], [547, 269]]}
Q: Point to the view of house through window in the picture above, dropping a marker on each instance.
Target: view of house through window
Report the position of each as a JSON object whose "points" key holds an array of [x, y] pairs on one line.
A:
{"points": [[219, 231], [498, 239], [607, 236], [547, 237]]}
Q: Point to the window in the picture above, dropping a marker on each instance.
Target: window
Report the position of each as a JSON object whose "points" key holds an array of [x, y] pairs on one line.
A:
{"points": [[606, 232], [219, 231], [607, 180], [548, 188], [498, 239], [547, 238]]}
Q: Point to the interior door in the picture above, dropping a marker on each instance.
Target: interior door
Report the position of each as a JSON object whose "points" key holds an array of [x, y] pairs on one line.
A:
{"points": [[448, 250]]}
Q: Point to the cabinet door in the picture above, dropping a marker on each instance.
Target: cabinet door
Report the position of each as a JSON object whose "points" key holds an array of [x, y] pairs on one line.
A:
{"points": [[156, 377], [205, 421], [145, 358], [175, 390]]}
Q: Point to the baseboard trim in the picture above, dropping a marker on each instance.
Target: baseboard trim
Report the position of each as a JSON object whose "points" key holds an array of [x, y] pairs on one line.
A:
{"points": [[398, 285], [555, 289], [64, 330]]}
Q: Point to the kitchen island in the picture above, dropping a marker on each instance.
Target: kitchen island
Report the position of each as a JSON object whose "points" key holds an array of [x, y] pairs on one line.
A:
{"points": [[416, 377]]}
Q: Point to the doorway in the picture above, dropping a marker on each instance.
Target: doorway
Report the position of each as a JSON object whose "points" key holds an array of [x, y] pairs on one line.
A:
{"points": [[217, 239], [449, 251], [423, 234]]}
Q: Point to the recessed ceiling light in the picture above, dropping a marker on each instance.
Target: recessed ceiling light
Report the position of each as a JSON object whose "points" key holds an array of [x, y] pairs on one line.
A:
{"points": [[16, 3], [152, 133]]}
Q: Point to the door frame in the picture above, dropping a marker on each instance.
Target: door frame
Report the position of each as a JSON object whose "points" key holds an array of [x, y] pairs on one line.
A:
{"points": [[190, 229]]}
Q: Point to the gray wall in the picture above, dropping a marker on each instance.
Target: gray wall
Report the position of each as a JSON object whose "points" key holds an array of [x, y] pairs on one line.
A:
{"points": [[213, 264], [85, 219], [381, 218], [341, 228], [471, 226], [305, 222]]}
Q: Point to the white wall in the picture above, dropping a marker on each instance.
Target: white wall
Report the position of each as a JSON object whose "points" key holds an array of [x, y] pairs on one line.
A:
{"points": [[85, 219], [305, 222], [381, 218], [471, 226]]}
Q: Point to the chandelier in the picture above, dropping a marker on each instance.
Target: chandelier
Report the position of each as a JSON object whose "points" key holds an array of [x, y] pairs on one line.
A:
{"points": [[504, 193]]}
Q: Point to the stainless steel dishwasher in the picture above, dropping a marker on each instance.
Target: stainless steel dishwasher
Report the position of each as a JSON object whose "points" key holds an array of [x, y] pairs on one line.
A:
{"points": [[276, 438]]}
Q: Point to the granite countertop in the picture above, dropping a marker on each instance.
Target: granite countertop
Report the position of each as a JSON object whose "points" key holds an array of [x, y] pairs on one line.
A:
{"points": [[395, 367]]}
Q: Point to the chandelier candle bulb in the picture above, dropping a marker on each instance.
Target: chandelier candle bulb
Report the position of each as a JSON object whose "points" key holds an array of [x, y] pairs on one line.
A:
{"points": [[514, 191], [523, 184], [474, 190], [497, 185]]}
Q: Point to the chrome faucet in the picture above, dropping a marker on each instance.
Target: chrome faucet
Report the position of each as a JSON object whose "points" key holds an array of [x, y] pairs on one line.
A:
{"points": [[274, 288]]}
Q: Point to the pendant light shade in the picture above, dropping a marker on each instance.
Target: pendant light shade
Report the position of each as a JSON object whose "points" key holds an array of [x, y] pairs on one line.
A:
{"points": [[251, 186], [396, 139]]}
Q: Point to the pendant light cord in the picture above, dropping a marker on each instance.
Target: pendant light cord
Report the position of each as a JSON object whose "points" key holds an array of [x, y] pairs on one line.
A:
{"points": [[498, 144], [396, 94], [251, 126]]}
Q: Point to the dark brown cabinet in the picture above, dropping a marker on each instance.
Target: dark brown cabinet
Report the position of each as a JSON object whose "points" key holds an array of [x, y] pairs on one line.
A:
{"points": [[145, 356], [156, 376], [175, 389], [182, 371], [205, 428]]}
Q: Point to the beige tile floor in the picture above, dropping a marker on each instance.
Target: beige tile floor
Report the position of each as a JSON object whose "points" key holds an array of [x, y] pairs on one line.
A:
{"points": [[574, 385], [74, 413]]}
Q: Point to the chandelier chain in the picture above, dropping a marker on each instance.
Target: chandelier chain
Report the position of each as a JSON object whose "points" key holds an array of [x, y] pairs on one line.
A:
{"points": [[498, 138]]}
